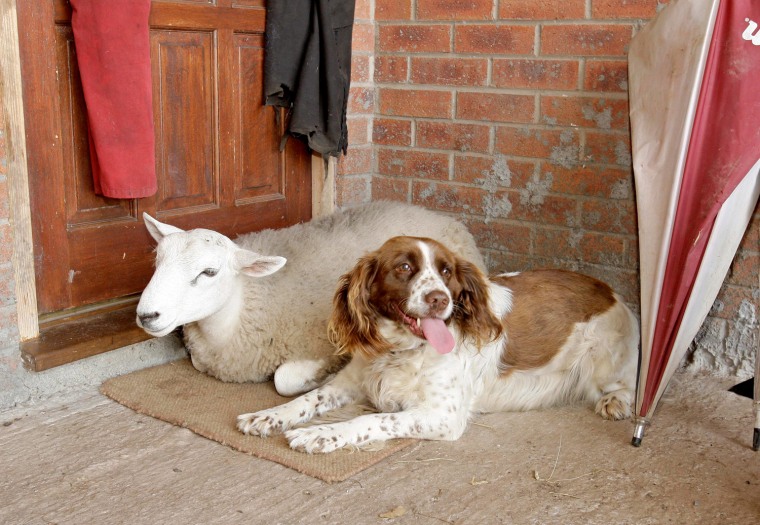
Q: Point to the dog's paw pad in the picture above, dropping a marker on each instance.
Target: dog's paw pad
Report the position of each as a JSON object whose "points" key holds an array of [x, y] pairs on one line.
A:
{"points": [[614, 407], [259, 424], [314, 440]]}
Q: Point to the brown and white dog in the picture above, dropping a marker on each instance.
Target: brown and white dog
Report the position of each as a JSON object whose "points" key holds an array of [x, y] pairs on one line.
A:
{"points": [[433, 341]]}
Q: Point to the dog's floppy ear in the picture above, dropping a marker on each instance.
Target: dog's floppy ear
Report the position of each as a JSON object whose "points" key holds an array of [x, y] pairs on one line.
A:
{"points": [[353, 323], [472, 312]]}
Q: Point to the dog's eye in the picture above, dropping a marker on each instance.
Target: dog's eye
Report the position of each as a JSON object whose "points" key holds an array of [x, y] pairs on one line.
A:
{"points": [[446, 271], [403, 268]]}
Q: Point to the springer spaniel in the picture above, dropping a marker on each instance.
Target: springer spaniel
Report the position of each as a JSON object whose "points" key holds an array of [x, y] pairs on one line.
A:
{"points": [[432, 341]]}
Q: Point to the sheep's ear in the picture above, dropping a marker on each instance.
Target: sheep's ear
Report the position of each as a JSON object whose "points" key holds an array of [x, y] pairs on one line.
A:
{"points": [[255, 265], [158, 230]]}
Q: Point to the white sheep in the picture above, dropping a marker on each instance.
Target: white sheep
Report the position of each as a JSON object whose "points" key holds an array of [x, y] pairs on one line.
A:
{"points": [[240, 326]]}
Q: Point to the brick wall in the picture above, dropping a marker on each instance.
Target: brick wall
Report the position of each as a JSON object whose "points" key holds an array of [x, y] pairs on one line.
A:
{"points": [[513, 116]]}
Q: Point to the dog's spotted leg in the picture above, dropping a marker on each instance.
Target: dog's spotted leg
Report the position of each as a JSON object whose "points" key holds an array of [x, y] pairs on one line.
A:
{"points": [[419, 424], [340, 391]]}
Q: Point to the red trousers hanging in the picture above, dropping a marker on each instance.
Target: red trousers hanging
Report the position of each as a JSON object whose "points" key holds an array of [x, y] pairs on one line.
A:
{"points": [[113, 52]]}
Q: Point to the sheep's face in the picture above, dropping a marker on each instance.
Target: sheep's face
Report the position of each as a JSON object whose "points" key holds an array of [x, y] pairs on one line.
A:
{"points": [[197, 275]]}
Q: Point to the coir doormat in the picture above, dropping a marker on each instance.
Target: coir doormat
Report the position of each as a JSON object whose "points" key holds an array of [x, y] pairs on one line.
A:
{"points": [[178, 394]]}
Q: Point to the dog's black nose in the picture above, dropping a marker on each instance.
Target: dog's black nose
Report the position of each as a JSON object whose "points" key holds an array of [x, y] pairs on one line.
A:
{"points": [[437, 301]]}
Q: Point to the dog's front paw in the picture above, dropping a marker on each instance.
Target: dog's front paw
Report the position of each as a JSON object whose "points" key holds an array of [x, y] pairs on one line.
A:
{"points": [[263, 423], [315, 440], [615, 405]]}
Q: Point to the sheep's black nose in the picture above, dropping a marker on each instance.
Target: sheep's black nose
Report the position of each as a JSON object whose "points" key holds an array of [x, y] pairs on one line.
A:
{"points": [[148, 317]]}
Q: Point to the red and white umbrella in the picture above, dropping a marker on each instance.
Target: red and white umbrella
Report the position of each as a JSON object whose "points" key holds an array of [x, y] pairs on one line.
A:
{"points": [[694, 78]]}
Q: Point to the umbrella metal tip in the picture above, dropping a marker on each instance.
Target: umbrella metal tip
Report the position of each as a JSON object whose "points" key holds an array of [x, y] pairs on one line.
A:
{"points": [[636, 441], [756, 440]]}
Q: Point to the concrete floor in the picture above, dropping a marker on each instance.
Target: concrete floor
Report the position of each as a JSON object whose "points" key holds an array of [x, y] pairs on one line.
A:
{"points": [[84, 459]]}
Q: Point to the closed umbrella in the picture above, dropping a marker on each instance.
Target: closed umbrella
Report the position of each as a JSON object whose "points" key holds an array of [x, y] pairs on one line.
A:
{"points": [[694, 77]]}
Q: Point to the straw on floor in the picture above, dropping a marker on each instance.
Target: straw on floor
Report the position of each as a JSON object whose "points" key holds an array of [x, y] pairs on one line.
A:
{"points": [[179, 394]]}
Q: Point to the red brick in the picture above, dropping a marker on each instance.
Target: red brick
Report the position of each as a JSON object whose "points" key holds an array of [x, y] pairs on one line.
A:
{"points": [[413, 164], [4, 200], [543, 10], [454, 9], [591, 181], [7, 285], [357, 160], [586, 112], [8, 325], [582, 246], [415, 38], [557, 242], [448, 197], [393, 9], [452, 136], [415, 103], [492, 172], [392, 132], [631, 256], [361, 100], [607, 148], [391, 69], [3, 149], [730, 300], [352, 191], [360, 69], [536, 205], [6, 243], [502, 107], [606, 75], [363, 37], [561, 146], [609, 216], [612, 9], [390, 189], [502, 236], [358, 130], [535, 74], [494, 39], [449, 71], [751, 239], [745, 269], [585, 40], [363, 10], [603, 249]]}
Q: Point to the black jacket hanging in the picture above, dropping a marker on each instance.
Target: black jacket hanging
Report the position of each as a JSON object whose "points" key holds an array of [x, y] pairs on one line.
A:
{"points": [[307, 68]]}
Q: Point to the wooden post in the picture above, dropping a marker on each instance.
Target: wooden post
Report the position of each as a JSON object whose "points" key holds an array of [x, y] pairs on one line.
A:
{"points": [[323, 185], [18, 176]]}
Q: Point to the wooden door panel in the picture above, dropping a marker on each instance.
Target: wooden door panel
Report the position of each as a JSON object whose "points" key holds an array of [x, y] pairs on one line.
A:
{"points": [[257, 158], [183, 105], [218, 159]]}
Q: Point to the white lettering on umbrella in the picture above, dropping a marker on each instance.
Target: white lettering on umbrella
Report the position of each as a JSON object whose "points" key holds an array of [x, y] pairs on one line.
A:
{"points": [[748, 33]]}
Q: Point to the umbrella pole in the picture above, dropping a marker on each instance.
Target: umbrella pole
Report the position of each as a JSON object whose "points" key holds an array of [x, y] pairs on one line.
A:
{"points": [[756, 434], [638, 431]]}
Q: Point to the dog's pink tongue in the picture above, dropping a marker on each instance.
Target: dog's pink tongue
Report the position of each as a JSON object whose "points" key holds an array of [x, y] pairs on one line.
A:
{"points": [[437, 334]]}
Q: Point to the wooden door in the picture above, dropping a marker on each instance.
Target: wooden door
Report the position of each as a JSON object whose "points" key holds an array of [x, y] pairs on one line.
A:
{"points": [[219, 162]]}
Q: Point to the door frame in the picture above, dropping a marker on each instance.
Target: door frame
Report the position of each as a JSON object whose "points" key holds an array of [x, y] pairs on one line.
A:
{"points": [[322, 173]]}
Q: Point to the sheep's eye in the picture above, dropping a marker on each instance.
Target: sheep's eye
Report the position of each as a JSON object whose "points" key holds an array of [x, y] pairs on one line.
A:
{"points": [[208, 272], [403, 268]]}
